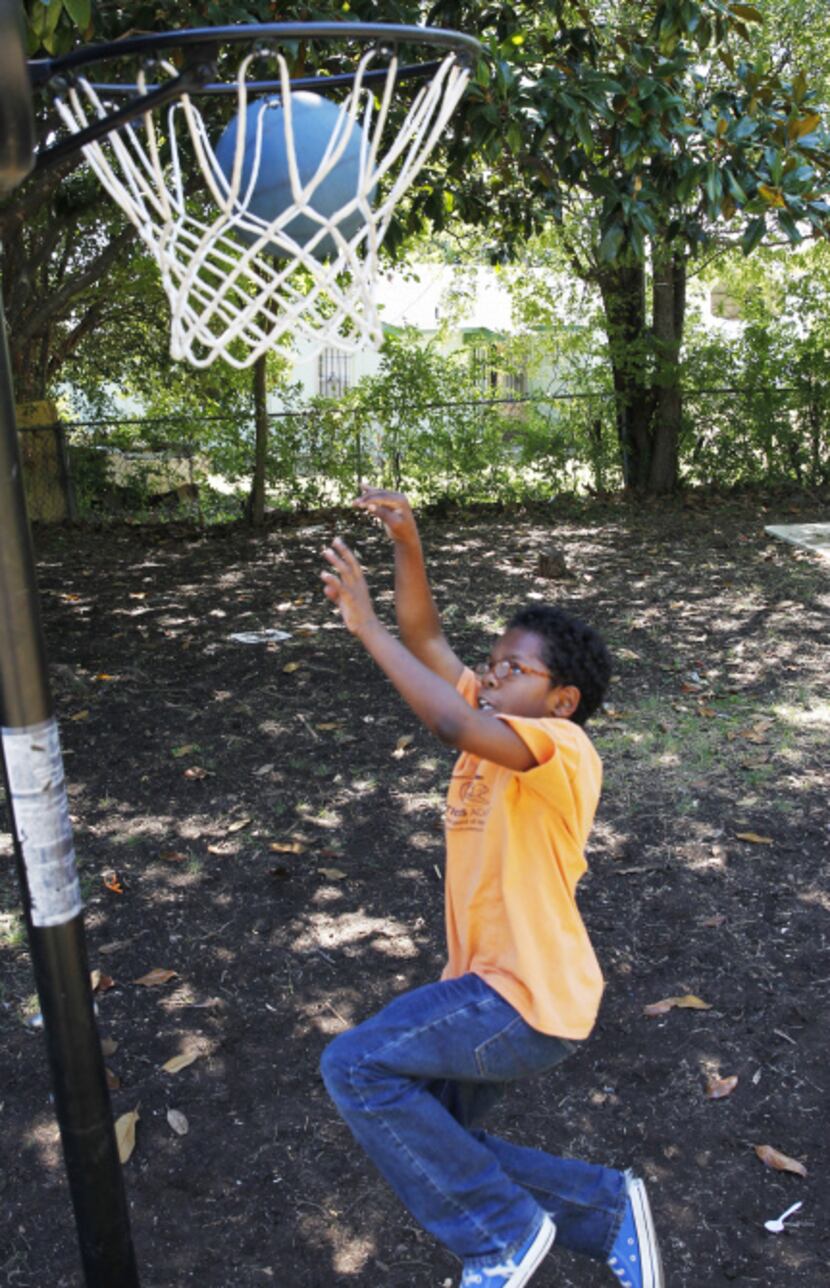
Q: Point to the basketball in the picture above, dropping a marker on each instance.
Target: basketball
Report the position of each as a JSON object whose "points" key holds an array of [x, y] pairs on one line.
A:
{"points": [[314, 121]]}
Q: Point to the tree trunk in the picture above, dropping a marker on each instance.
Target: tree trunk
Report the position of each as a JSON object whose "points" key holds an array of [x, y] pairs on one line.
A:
{"points": [[669, 310], [256, 500], [645, 363], [623, 297]]}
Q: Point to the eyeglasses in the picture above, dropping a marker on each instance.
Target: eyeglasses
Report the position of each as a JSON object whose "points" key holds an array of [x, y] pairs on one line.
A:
{"points": [[508, 667]]}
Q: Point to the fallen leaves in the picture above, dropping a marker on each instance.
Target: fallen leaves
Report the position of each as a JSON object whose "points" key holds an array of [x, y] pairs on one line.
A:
{"points": [[100, 983], [402, 744], [182, 1061], [687, 1002], [156, 978], [287, 847], [195, 773], [780, 1162], [125, 1134], [186, 750], [754, 839], [333, 874], [718, 1088]]}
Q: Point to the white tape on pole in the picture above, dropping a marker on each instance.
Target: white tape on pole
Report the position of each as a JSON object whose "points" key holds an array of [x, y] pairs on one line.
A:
{"points": [[41, 818]]}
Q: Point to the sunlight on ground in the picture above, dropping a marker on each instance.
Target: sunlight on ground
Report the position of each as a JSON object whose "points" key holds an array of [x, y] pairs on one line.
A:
{"points": [[325, 930], [816, 716], [43, 1137], [821, 898]]}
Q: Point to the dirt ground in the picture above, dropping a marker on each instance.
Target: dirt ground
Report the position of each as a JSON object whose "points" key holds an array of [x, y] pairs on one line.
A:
{"points": [[271, 815]]}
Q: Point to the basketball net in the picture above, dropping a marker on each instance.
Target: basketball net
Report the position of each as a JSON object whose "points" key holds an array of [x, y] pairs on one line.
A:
{"points": [[235, 299]]}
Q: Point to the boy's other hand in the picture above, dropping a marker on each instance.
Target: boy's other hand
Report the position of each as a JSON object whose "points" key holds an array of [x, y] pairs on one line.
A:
{"points": [[392, 508], [346, 587]]}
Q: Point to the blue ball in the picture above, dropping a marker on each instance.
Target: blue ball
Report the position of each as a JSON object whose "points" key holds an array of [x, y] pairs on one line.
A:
{"points": [[314, 120]]}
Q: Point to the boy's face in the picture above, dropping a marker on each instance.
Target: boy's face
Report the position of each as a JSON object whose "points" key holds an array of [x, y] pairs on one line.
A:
{"points": [[526, 689]]}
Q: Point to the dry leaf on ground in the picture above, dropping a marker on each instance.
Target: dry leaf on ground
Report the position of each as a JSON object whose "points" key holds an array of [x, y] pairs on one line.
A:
{"points": [[113, 1080], [186, 750], [155, 978], [178, 1122], [125, 1134], [290, 667], [109, 1046], [287, 847], [333, 874], [173, 856], [754, 838], [180, 1062], [100, 983], [401, 745], [195, 773], [718, 1088], [687, 1002], [780, 1162], [239, 824]]}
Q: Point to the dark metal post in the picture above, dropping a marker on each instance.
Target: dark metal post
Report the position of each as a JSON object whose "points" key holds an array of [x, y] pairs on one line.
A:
{"points": [[33, 772]]}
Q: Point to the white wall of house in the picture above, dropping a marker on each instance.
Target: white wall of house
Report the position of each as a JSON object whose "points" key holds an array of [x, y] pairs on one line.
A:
{"points": [[419, 297]]}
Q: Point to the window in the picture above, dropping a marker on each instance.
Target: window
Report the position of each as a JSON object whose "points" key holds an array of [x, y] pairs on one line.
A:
{"points": [[334, 373], [494, 380]]}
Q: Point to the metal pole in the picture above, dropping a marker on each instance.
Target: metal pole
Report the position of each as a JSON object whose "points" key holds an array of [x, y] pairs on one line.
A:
{"points": [[34, 779]]}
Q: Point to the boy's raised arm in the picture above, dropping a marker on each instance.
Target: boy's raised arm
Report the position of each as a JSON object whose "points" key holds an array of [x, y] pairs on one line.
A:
{"points": [[418, 620], [441, 707]]}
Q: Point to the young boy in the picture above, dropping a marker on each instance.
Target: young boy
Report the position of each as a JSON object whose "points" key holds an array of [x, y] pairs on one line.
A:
{"points": [[522, 985]]}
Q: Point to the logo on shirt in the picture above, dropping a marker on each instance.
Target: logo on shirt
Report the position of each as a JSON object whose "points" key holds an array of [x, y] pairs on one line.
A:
{"points": [[468, 803]]}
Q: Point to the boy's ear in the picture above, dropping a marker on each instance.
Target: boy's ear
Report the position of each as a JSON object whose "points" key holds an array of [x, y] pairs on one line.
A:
{"points": [[564, 700]]}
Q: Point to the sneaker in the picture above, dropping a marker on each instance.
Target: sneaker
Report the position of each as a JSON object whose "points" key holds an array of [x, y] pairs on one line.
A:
{"points": [[518, 1270], [635, 1256]]}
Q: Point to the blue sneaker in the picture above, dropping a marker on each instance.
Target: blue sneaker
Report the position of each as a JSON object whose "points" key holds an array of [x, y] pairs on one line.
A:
{"points": [[635, 1256], [518, 1270]]}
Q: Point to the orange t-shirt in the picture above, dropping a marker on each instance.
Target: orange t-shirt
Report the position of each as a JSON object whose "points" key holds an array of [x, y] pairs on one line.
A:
{"points": [[515, 852]]}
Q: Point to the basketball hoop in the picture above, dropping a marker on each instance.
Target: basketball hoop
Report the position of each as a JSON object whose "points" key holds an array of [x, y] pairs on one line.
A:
{"points": [[244, 277]]}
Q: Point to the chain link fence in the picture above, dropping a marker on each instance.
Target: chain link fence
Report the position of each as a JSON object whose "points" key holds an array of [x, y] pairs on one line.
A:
{"points": [[525, 448]]}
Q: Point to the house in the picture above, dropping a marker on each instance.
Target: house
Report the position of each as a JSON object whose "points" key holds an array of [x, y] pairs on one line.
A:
{"points": [[456, 308]]}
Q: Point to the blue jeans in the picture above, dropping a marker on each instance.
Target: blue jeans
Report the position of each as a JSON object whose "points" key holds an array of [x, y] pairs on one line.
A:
{"points": [[412, 1081]]}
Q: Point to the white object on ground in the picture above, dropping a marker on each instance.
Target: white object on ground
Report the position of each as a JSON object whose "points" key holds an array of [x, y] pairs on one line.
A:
{"points": [[814, 537], [259, 637], [776, 1225]]}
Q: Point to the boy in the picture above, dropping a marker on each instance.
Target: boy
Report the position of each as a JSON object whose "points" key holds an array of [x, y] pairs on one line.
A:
{"points": [[522, 985]]}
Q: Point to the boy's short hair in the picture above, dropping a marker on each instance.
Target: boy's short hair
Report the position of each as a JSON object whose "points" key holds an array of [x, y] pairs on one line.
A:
{"points": [[572, 651]]}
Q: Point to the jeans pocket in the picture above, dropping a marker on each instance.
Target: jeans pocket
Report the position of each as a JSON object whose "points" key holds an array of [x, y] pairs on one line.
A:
{"points": [[518, 1050]]}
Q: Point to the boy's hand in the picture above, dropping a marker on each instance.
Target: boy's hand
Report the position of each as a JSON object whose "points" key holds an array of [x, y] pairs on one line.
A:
{"points": [[393, 510], [346, 587]]}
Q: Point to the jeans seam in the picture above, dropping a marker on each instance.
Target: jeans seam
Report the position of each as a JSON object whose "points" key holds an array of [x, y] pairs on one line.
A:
{"points": [[481, 1050]]}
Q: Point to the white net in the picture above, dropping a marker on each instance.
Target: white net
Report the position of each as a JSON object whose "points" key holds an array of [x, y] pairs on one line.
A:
{"points": [[241, 282]]}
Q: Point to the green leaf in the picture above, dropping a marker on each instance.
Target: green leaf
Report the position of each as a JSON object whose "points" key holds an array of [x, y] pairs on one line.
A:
{"points": [[611, 242], [734, 187], [753, 234], [790, 227], [806, 125], [80, 11], [748, 12]]}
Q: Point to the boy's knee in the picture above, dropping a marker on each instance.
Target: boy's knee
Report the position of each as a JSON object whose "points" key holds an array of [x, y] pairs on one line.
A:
{"points": [[335, 1063]]}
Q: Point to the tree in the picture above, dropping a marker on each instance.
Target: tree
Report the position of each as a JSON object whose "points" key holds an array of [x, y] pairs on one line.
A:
{"points": [[649, 133]]}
